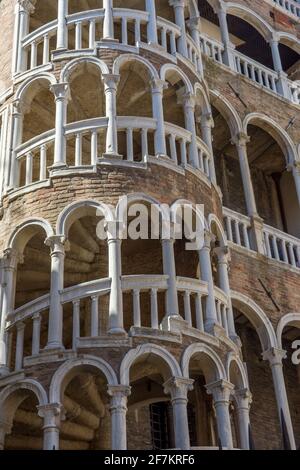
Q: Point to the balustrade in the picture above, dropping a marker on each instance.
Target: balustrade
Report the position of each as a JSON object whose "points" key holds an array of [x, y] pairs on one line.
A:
{"points": [[281, 246], [289, 5], [238, 228]]}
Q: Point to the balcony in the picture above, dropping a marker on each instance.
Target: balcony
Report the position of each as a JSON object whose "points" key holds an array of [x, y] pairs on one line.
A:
{"points": [[290, 6]]}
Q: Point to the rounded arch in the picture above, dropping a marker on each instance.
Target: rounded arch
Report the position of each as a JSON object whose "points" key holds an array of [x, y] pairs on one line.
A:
{"points": [[279, 135], [148, 350], [9, 402], [227, 110], [26, 230], [65, 373], [289, 40], [238, 376], [257, 318], [78, 208], [174, 68], [251, 17], [212, 360], [213, 220], [203, 99], [49, 77], [292, 319], [71, 66], [125, 58]]}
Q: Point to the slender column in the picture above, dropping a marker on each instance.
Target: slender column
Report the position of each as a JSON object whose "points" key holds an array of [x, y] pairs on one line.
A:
{"points": [[275, 357], [243, 400], [223, 256], [178, 388], [170, 271], [207, 123], [189, 104], [36, 334], [282, 83], [52, 415], [241, 141], [61, 94], [62, 29], [178, 6], [228, 55], [118, 409], [76, 323], [116, 324], [108, 25], [221, 392], [8, 288], [55, 326], [17, 115], [20, 346], [296, 175], [206, 274], [110, 88], [26, 8], [194, 25], [152, 26], [157, 89], [95, 317]]}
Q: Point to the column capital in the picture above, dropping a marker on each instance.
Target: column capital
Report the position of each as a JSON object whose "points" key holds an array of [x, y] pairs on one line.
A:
{"points": [[20, 326], [11, 258], [187, 99], [223, 254], [27, 6], [157, 85], [57, 243], [220, 390], [60, 90], [177, 3], [52, 413], [241, 139], [243, 398], [274, 356], [273, 38], [194, 23], [110, 80], [178, 387], [208, 238], [119, 395], [207, 120]]}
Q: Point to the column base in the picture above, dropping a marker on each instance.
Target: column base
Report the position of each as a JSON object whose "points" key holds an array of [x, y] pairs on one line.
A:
{"points": [[214, 329], [111, 156], [117, 332], [174, 324], [107, 40], [53, 348]]}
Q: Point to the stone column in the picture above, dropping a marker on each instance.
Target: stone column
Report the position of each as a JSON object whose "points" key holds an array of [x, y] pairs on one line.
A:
{"points": [[61, 94], [178, 6], [55, 323], [62, 29], [223, 256], [189, 104], [157, 89], [243, 400], [275, 357], [206, 275], [118, 409], [52, 415], [17, 115], [194, 25], [9, 267], [26, 8], [221, 392], [19, 346], [178, 388], [207, 124], [228, 54], [116, 324], [282, 84], [110, 89], [296, 175], [108, 25], [152, 26], [170, 271]]}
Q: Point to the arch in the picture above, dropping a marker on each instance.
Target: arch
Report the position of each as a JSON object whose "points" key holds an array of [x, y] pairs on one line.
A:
{"points": [[213, 220], [26, 230], [27, 84], [289, 319], [257, 318], [242, 381], [130, 199], [289, 40], [171, 67], [198, 348], [123, 59], [68, 215], [227, 110], [198, 214], [204, 101], [71, 66], [250, 17], [279, 135], [59, 380], [148, 350]]}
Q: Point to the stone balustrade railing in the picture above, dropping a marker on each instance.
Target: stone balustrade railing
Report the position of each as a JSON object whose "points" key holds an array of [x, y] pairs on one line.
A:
{"points": [[212, 48], [281, 246], [256, 72], [238, 228], [290, 6], [32, 318]]}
